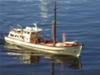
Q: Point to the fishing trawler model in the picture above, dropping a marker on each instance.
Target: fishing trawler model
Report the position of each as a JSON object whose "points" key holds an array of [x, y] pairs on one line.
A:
{"points": [[30, 37]]}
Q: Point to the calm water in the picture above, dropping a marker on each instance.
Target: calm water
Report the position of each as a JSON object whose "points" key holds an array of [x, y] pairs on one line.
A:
{"points": [[78, 18]]}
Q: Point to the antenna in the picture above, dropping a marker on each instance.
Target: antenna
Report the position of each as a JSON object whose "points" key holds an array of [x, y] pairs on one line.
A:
{"points": [[35, 25]]}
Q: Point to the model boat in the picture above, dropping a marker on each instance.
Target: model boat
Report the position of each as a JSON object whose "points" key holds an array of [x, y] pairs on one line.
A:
{"points": [[30, 37]]}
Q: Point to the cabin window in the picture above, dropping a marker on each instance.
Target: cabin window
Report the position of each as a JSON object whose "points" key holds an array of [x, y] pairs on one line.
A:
{"points": [[24, 31], [19, 31], [21, 37], [15, 35], [11, 35], [28, 32]]}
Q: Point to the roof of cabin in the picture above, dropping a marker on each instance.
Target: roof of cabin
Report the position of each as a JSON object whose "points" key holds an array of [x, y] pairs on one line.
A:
{"points": [[33, 29]]}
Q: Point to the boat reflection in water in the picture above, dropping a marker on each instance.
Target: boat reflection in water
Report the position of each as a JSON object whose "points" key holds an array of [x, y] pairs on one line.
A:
{"points": [[30, 57], [70, 61], [25, 56]]}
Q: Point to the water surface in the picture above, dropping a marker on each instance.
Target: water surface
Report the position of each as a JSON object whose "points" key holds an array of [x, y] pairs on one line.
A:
{"points": [[78, 18]]}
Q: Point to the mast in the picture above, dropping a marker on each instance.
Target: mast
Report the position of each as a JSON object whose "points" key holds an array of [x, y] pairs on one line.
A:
{"points": [[54, 25]]}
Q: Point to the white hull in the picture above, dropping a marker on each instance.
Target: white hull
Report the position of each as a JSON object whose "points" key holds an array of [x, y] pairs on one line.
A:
{"points": [[73, 51]]}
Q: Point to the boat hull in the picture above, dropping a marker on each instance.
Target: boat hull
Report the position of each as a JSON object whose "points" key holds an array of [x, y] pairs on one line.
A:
{"points": [[73, 51]]}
